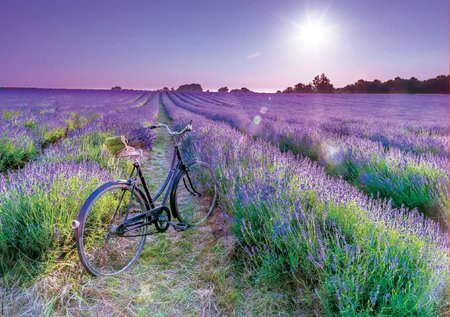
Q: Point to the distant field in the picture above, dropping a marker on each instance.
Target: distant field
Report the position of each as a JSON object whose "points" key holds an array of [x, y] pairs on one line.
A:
{"points": [[391, 145], [343, 198]]}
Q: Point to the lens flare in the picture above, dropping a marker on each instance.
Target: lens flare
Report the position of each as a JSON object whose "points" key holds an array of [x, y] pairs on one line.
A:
{"points": [[257, 119], [331, 154]]}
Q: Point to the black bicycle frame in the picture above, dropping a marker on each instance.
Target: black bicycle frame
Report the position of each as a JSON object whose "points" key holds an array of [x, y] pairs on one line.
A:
{"points": [[176, 165]]}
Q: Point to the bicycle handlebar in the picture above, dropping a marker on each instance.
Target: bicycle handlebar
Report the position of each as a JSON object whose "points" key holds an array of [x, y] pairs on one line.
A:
{"points": [[172, 133]]}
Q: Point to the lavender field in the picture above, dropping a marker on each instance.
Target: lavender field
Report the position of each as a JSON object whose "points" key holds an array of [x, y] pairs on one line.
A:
{"points": [[341, 199]]}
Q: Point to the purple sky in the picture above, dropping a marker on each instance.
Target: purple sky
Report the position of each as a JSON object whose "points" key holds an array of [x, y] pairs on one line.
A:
{"points": [[256, 44]]}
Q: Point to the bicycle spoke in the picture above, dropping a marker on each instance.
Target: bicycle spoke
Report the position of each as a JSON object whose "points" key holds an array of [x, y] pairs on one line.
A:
{"points": [[195, 194], [107, 251]]}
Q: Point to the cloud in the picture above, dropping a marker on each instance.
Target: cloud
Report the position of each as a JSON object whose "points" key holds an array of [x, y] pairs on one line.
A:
{"points": [[254, 55]]}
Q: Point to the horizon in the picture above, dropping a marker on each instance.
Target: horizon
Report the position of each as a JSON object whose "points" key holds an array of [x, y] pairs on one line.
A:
{"points": [[160, 88], [268, 47]]}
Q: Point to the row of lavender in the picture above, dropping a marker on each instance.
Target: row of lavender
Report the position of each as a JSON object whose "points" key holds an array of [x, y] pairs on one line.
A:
{"points": [[38, 201], [411, 123], [409, 178], [356, 255], [31, 120]]}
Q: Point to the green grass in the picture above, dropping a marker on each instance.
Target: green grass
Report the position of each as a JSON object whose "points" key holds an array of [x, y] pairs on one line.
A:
{"points": [[76, 121], [16, 153], [88, 147], [305, 146], [36, 210], [10, 114], [51, 136], [338, 251], [187, 274], [31, 124], [35, 228], [331, 261], [409, 185], [412, 184], [350, 264]]}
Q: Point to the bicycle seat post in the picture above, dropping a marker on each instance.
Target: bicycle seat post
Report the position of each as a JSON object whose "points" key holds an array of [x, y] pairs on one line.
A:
{"points": [[136, 162]]}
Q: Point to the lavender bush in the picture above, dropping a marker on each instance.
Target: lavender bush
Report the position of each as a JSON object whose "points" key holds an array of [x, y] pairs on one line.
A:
{"points": [[38, 202], [351, 253], [359, 255], [371, 154]]}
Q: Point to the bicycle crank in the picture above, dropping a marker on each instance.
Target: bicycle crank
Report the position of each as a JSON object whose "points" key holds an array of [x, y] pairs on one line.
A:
{"points": [[163, 217], [179, 226]]}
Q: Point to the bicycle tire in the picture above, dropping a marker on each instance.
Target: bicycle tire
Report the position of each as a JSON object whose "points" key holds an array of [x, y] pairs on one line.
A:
{"points": [[84, 221], [184, 202]]}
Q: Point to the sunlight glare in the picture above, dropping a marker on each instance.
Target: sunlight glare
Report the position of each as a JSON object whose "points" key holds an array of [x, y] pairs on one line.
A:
{"points": [[331, 153], [313, 33]]}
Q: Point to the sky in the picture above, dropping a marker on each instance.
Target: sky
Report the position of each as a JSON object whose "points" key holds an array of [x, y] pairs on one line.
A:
{"points": [[261, 45]]}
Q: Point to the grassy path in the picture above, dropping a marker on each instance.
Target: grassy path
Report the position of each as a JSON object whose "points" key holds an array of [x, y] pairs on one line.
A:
{"points": [[180, 274], [193, 273]]}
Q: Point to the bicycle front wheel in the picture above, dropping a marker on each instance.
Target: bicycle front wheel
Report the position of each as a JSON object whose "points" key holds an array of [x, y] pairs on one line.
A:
{"points": [[194, 194], [101, 248]]}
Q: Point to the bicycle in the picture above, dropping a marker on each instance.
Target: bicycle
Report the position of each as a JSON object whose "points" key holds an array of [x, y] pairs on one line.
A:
{"points": [[114, 221]]}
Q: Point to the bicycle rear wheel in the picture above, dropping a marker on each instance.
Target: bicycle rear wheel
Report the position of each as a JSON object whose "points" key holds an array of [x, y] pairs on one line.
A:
{"points": [[194, 194], [101, 249]]}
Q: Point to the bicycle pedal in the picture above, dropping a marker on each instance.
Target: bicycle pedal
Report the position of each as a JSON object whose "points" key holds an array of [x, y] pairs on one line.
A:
{"points": [[180, 226]]}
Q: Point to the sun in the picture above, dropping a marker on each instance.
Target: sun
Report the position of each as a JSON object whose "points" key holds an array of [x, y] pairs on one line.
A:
{"points": [[313, 33]]}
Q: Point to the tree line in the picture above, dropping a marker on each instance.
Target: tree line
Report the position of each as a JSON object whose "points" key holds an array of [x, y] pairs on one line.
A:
{"points": [[437, 85], [322, 84], [198, 88]]}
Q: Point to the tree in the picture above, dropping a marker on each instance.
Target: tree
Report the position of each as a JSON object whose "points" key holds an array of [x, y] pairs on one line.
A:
{"points": [[398, 85], [223, 89], [288, 90], [302, 88], [437, 85], [322, 84], [190, 87], [116, 88], [243, 89], [412, 84]]}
